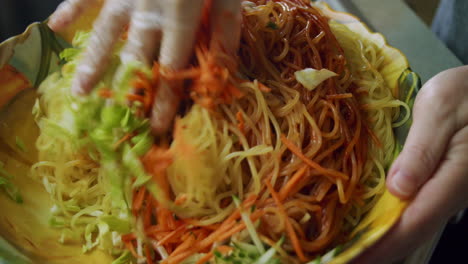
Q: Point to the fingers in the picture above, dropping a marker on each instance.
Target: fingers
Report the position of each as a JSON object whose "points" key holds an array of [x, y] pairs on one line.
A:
{"points": [[164, 108], [181, 20], [440, 198], [67, 12], [145, 32], [226, 26], [107, 29], [434, 124]]}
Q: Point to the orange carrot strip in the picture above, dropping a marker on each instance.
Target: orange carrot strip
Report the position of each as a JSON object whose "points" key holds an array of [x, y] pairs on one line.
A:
{"points": [[292, 182], [156, 229], [339, 96], [122, 140], [161, 217], [289, 228], [186, 244], [135, 97], [105, 93], [172, 234], [219, 235], [223, 249], [205, 258], [296, 151], [180, 199], [149, 259], [131, 248], [148, 213], [138, 200], [263, 88], [128, 237]]}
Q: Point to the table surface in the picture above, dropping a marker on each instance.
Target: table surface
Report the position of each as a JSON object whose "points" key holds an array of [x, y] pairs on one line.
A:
{"points": [[426, 54]]}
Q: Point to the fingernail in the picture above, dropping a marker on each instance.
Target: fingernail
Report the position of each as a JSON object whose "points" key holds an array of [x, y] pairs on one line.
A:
{"points": [[403, 184], [52, 22]]}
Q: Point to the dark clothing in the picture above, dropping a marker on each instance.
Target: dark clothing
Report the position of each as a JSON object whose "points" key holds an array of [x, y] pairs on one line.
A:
{"points": [[451, 26], [16, 15]]}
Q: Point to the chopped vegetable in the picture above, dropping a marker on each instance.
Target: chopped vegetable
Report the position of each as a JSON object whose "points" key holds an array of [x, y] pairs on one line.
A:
{"points": [[312, 78], [250, 226]]}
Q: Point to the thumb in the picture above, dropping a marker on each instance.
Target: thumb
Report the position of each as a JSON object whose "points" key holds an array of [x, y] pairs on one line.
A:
{"points": [[428, 137]]}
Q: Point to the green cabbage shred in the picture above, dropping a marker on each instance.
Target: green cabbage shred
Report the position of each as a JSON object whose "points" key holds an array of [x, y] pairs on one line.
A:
{"points": [[97, 125]]}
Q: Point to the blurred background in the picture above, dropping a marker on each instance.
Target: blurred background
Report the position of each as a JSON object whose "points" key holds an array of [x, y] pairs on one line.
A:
{"points": [[16, 15]]}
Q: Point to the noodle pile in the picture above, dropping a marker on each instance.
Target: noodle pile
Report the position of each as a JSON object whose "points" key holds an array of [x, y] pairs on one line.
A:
{"points": [[273, 160]]}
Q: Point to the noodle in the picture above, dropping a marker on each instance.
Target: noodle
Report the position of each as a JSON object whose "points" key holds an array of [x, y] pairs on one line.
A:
{"points": [[309, 163]]}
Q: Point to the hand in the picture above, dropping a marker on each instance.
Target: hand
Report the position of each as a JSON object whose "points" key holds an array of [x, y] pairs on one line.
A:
{"points": [[432, 169], [173, 22]]}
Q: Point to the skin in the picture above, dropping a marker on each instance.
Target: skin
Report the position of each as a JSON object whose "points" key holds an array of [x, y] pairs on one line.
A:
{"points": [[432, 170], [173, 23]]}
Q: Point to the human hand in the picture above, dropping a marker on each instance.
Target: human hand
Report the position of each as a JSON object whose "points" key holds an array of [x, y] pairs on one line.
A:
{"points": [[432, 169], [174, 23]]}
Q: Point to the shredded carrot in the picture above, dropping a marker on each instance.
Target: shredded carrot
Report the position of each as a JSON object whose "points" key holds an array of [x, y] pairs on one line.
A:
{"points": [[263, 88], [131, 248], [223, 249], [294, 149], [205, 258], [144, 88], [240, 119], [106, 93], [138, 200], [149, 259], [128, 237], [172, 234], [228, 227], [289, 228], [187, 244], [156, 161], [221, 234], [156, 229], [135, 97], [122, 140], [180, 199], [237, 228], [339, 96], [284, 192], [147, 213], [214, 84]]}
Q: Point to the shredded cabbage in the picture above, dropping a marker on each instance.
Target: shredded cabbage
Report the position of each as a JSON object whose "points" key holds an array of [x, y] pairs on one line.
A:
{"points": [[311, 78], [248, 254], [88, 175]]}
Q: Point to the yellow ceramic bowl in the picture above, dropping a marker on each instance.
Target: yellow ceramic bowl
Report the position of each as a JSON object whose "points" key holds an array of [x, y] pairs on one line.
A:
{"points": [[25, 235]]}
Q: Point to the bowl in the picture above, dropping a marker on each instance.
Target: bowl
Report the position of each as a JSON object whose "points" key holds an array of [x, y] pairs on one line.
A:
{"points": [[27, 59]]}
